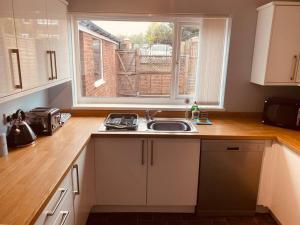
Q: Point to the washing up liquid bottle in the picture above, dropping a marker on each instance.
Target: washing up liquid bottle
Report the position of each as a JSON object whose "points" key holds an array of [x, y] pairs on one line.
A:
{"points": [[195, 111]]}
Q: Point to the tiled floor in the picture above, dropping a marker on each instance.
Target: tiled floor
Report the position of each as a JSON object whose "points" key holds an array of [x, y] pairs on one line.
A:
{"points": [[175, 219]]}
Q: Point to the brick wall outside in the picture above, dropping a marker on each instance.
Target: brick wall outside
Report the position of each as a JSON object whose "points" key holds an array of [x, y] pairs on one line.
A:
{"points": [[108, 89], [148, 78]]}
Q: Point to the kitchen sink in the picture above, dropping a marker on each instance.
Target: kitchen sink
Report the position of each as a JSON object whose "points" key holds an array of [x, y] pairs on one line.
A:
{"points": [[171, 126]]}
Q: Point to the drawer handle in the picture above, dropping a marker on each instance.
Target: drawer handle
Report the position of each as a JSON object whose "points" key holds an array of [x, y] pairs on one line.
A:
{"points": [[233, 148], [63, 192], [64, 217]]}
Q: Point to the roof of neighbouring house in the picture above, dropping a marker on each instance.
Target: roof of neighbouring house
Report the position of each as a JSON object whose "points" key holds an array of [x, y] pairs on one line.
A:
{"points": [[93, 27]]}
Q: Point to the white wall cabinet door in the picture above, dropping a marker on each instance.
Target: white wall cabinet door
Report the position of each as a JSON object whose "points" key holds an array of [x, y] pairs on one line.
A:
{"points": [[9, 77], [277, 48], [285, 202], [121, 171], [173, 166], [32, 41], [83, 173], [58, 36]]}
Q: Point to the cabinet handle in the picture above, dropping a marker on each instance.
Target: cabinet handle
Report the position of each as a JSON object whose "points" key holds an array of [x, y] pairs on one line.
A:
{"points": [[63, 192], [296, 74], [295, 67], [143, 152], [64, 217], [55, 67], [152, 159], [77, 179], [16, 51], [51, 64], [233, 148]]}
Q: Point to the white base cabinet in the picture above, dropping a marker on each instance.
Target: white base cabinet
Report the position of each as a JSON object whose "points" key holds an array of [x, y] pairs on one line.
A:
{"points": [[147, 172], [60, 208], [280, 186], [173, 168], [83, 174], [73, 200], [121, 171]]}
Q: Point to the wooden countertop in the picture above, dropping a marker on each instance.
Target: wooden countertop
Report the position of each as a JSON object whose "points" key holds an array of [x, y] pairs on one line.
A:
{"points": [[30, 175]]}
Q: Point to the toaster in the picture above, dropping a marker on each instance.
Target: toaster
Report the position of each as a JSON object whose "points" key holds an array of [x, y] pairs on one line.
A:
{"points": [[44, 120]]}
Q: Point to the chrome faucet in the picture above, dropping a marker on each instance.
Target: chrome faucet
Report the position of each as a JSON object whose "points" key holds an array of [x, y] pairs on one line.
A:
{"points": [[149, 114]]}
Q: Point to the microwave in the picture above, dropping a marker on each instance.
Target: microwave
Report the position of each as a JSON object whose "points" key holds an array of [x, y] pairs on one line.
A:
{"points": [[282, 112]]}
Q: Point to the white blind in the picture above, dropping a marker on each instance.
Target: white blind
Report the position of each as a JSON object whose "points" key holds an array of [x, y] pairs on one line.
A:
{"points": [[211, 64]]}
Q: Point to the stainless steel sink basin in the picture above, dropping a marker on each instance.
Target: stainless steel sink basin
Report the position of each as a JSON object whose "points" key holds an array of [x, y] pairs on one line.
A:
{"points": [[171, 126]]}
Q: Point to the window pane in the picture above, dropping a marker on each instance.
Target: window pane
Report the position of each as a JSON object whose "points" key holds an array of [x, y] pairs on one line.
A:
{"points": [[188, 59], [134, 59]]}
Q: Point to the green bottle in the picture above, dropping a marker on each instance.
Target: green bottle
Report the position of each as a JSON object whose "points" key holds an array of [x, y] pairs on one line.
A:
{"points": [[195, 111]]}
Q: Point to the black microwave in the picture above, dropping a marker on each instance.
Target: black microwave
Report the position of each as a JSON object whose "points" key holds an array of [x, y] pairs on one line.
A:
{"points": [[282, 112]]}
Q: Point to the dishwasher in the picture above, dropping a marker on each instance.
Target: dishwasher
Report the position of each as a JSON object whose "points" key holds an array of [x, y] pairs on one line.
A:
{"points": [[229, 176]]}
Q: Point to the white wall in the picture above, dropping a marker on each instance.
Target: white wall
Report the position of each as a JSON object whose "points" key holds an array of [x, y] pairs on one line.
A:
{"points": [[26, 103], [240, 94]]}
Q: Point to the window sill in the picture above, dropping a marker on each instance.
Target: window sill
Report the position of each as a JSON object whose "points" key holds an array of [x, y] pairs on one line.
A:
{"points": [[143, 107]]}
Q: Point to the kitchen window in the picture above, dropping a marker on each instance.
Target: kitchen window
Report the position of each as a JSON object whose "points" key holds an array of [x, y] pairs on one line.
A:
{"points": [[150, 62]]}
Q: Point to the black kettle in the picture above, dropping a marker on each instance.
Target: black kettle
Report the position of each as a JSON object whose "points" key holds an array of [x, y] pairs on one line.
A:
{"points": [[19, 133]]}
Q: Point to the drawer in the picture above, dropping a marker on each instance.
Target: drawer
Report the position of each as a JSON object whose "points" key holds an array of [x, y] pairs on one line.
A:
{"points": [[64, 218], [61, 197], [65, 215], [233, 145]]}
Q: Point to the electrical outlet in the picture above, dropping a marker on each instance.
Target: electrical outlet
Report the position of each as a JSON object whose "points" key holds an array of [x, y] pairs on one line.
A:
{"points": [[6, 118]]}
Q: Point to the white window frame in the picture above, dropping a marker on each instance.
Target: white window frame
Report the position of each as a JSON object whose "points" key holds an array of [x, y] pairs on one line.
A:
{"points": [[174, 102]]}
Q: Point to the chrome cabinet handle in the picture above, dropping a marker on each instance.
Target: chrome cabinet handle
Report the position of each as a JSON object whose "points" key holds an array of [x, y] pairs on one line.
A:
{"points": [[51, 65], [64, 217], [16, 51], [77, 192], [63, 192], [152, 158], [143, 152], [55, 66], [295, 67]]}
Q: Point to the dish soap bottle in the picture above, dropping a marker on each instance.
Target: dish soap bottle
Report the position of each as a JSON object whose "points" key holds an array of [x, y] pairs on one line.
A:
{"points": [[195, 111]]}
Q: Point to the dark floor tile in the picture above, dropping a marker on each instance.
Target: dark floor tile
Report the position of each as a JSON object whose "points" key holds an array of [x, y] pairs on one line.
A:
{"points": [[97, 219], [264, 219], [122, 219], [219, 221], [200, 221], [175, 219], [242, 220]]}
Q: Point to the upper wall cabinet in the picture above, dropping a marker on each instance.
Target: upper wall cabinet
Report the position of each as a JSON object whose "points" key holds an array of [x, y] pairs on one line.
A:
{"points": [[276, 59], [58, 38], [9, 78], [32, 41], [33, 46]]}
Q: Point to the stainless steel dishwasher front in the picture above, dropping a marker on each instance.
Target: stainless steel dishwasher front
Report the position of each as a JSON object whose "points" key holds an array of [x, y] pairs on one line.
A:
{"points": [[229, 176]]}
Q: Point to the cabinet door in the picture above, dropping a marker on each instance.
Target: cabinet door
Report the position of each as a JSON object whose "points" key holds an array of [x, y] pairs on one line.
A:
{"points": [[285, 202], [121, 171], [58, 36], [84, 184], [173, 166], [284, 45], [32, 41], [10, 82]]}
